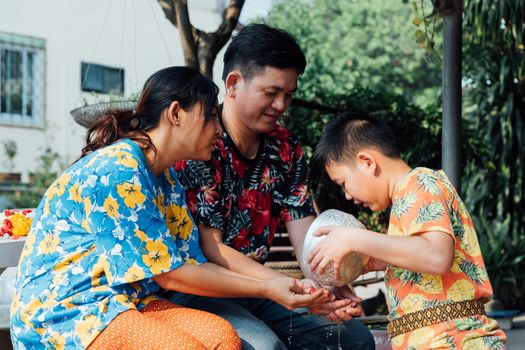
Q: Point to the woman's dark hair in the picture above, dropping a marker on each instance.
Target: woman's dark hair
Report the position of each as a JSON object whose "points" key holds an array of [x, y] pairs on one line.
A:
{"points": [[348, 134], [258, 46], [182, 84]]}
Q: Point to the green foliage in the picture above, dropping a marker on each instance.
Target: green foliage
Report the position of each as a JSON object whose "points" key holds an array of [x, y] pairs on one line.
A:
{"points": [[43, 176], [350, 44], [418, 131], [494, 101]]}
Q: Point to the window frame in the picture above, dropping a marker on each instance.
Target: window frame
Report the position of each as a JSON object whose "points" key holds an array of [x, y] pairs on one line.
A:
{"points": [[26, 45]]}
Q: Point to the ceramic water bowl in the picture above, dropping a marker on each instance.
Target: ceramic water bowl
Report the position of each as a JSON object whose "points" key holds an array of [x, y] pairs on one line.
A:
{"points": [[353, 265]]}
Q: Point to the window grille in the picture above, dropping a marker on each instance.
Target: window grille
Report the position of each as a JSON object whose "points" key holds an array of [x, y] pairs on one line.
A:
{"points": [[21, 80]]}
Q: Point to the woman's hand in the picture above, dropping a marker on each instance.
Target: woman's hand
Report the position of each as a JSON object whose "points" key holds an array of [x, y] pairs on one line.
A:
{"points": [[292, 293]]}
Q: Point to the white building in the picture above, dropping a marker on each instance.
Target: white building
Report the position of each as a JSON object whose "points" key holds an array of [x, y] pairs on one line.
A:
{"points": [[46, 46]]}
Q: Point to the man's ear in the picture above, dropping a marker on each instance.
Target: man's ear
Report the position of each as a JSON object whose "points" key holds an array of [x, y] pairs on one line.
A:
{"points": [[367, 161], [172, 113], [232, 81]]}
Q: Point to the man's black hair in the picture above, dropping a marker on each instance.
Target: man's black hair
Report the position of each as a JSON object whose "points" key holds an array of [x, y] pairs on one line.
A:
{"points": [[258, 46]]}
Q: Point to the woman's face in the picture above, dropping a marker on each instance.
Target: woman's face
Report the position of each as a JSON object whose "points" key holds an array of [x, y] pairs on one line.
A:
{"points": [[201, 137]]}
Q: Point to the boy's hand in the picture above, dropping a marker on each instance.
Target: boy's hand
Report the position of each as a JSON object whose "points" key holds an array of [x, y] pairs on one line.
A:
{"points": [[332, 249]]}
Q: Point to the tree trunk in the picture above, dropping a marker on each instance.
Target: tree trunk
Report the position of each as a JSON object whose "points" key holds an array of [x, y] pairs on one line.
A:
{"points": [[200, 48]]}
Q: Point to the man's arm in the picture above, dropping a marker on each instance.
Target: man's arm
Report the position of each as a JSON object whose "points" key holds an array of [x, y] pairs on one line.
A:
{"points": [[221, 254], [297, 231]]}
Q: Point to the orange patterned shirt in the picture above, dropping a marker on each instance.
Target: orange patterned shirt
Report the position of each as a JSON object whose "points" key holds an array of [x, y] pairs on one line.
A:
{"points": [[426, 201]]}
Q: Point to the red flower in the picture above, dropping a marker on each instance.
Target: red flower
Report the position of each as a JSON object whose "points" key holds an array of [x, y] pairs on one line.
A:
{"points": [[238, 167], [182, 165], [261, 217], [247, 199], [191, 200], [241, 241], [285, 152], [26, 211], [209, 195]]}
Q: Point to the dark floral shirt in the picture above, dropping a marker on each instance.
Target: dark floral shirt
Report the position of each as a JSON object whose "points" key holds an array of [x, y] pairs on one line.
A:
{"points": [[247, 198]]}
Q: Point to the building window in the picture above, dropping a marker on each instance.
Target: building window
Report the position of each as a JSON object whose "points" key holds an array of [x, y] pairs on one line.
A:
{"points": [[21, 79], [102, 79]]}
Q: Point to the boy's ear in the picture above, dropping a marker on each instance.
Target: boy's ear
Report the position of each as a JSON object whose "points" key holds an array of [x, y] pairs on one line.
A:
{"points": [[367, 161], [232, 81]]}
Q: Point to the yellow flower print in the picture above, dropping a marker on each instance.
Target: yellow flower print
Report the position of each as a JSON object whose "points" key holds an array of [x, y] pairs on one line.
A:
{"points": [[179, 221], [49, 244], [87, 206], [28, 246], [29, 311], [159, 202], [126, 159], [87, 329], [46, 208], [131, 194], [157, 257], [98, 270], [191, 261], [134, 273], [57, 341], [111, 207], [74, 192], [85, 225], [58, 187], [15, 303], [141, 235]]}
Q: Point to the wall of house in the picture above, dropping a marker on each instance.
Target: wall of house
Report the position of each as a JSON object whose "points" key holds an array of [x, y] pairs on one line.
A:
{"points": [[133, 35]]}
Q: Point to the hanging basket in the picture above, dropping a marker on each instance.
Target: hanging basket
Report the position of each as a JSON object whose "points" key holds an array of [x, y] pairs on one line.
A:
{"points": [[88, 115]]}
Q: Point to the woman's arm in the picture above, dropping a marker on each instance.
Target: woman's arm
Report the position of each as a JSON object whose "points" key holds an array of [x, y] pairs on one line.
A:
{"points": [[211, 281], [430, 252]]}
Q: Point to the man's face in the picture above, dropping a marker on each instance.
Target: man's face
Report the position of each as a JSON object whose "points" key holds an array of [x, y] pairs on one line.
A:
{"points": [[262, 100]]}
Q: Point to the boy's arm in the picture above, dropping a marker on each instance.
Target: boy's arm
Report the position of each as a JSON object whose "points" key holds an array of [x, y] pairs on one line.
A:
{"points": [[221, 254], [431, 252]]}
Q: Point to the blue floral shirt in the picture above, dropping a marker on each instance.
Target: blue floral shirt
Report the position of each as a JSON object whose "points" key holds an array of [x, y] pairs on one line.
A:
{"points": [[104, 228]]}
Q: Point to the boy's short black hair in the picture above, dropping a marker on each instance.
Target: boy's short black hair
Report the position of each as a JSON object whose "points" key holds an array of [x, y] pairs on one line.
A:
{"points": [[258, 46], [348, 134]]}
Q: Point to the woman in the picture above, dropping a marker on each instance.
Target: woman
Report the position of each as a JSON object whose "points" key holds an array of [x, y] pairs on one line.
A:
{"points": [[114, 227]]}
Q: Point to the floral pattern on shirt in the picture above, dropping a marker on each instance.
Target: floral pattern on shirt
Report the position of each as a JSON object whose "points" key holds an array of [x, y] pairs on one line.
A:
{"points": [[248, 199], [104, 228], [425, 201]]}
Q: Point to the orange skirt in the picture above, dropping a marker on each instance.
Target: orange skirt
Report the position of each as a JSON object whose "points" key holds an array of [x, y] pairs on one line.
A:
{"points": [[164, 325]]}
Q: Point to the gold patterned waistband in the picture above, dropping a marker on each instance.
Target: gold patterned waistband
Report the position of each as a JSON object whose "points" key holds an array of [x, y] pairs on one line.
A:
{"points": [[433, 315]]}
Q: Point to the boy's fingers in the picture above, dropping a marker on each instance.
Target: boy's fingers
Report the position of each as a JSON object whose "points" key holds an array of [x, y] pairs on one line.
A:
{"points": [[314, 252], [322, 231], [322, 265], [314, 262]]}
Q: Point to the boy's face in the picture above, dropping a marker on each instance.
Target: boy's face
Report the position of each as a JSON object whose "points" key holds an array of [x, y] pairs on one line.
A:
{"points": [[360, 183]]}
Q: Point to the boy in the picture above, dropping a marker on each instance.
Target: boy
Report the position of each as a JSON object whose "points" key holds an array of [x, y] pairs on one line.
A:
{"points": [[435, 275]]}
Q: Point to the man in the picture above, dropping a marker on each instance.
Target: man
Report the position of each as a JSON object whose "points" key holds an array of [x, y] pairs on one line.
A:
{"points": [[256, 178]]}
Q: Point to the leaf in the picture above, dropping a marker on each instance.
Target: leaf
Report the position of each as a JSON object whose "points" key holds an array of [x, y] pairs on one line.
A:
{"points": [[417, 21], [420, 36]]}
